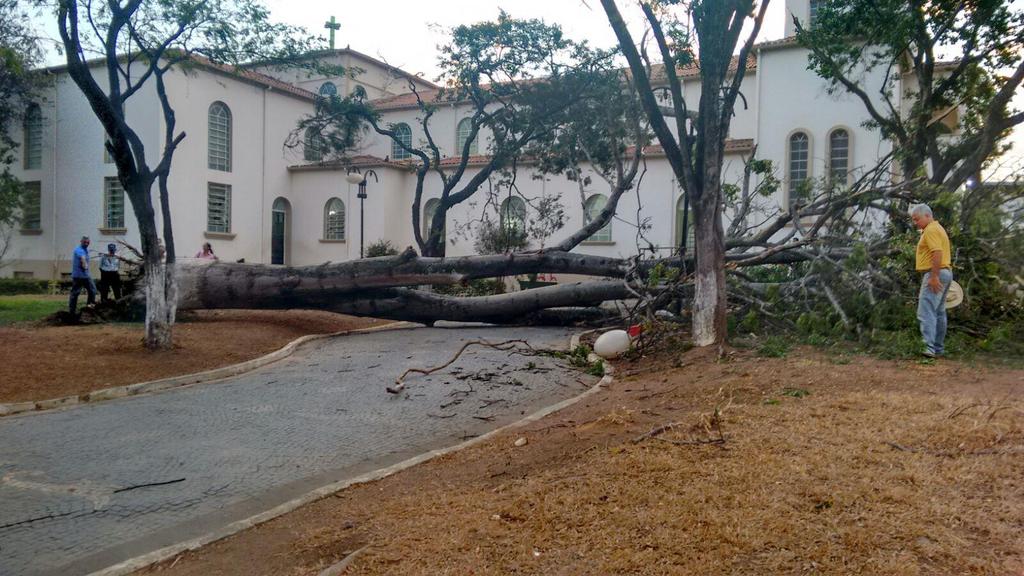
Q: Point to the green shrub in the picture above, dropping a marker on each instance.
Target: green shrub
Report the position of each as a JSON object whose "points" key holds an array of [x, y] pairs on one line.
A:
{"points": [[750, 323], [381, 248], [481, 287], [774, 347], [11, 286]]}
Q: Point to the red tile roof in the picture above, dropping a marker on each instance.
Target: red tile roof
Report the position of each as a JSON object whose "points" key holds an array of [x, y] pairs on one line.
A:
{"points": [[241, 74], [357, 161], [253, 77], [780, 43], [368, 161], [693, 70], [408, 99], [398, 72]]}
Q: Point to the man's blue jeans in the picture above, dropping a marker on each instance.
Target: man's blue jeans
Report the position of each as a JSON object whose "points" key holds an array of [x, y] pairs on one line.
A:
{"points": [[931, 312], [76, 288]]}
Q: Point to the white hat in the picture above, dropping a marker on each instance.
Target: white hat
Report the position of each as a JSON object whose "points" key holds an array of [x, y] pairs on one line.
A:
{"points": [[954, 296]]}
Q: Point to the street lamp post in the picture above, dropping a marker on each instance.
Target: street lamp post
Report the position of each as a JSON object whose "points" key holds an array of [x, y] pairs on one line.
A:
{"points": [[355, 177]]}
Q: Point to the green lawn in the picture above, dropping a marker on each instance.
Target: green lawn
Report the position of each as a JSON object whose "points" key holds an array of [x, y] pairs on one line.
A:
{"points": [[29, 307]]}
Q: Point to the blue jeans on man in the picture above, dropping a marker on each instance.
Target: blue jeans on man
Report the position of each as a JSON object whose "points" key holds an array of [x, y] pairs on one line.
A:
{"points": [[931, 312], [76, 288]]}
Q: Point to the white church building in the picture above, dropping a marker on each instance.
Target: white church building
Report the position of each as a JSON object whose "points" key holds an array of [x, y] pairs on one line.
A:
{"points": [[235, 184]]}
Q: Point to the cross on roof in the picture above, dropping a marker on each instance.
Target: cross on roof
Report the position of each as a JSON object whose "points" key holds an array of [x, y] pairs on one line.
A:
{"points": [[332, 25]]}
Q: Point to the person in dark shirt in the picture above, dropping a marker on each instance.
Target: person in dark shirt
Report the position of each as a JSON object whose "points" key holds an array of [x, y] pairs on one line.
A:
{"points": [[110, 273]]}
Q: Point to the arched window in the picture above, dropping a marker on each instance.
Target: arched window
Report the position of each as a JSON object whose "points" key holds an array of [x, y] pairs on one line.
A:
{"points": [[594, 205], [690, 227], [513, 214], [313, 145], [33, 128], [462, 134], [334, 220], [799, 159], [839, 155], [403, 133], [328, 89], [219, 137], [280, 229], [429, 210]]}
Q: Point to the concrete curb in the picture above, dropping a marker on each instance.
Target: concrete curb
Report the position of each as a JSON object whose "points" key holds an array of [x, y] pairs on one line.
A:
{"points": [[140, 562], [184, 380]]}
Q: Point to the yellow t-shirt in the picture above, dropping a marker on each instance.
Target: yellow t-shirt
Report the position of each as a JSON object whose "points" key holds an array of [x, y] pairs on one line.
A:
{"points": [[933, 238]]}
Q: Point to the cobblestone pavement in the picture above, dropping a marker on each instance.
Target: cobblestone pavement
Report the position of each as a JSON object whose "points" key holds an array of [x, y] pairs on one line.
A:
{"points": [[71, 494]]}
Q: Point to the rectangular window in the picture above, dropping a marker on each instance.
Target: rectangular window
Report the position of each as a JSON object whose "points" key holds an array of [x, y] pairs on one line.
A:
{"points": [[815, 8], [31, 208], [218, 208], [23, 275], [113, 204], [33, 127]]}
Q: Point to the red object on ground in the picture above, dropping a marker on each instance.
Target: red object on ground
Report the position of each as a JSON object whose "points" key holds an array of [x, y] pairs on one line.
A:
{"points": [[634, 330]]}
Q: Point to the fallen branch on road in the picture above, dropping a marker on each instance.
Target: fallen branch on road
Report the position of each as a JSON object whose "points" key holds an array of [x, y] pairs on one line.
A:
{"points": [[137, 486], [503, 346]]}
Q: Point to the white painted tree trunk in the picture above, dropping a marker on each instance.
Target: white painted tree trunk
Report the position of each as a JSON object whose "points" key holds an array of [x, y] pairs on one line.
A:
{"points": [[705, 301], [161, 305]]}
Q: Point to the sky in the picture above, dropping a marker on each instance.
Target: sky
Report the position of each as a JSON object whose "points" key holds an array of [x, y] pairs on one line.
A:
{"points": [[406, 33]]}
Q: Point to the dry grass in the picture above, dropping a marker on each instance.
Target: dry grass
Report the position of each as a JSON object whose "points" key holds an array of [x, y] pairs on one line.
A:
{"points": [[808, 486], [40, 362], [802, 485]]}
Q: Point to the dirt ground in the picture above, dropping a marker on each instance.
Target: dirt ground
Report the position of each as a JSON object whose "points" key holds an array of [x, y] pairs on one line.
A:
{"points": [[808, 464], [40, 362]]}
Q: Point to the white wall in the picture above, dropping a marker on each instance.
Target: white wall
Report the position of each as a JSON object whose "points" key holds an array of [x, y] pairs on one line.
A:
{"points": [[386, 211], [72, 177], [262, 118], [783, 96], [792, 98], [799, 8]]}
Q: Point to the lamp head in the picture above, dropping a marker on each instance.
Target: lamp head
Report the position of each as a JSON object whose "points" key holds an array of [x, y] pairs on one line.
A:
{"points": [[354, 178]]}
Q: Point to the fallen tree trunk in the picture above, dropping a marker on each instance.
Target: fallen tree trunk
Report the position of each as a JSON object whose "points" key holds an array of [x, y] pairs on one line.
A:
{"points": [[229, 285], [562, 304], [224, 285]]}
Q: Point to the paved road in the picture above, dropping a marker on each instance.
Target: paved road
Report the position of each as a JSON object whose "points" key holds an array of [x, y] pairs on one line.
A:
{"points": [[231, 449]]}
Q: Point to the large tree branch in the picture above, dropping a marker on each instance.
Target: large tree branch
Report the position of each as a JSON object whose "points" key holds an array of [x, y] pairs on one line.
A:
{"points": [[741, 65], [643, 84], [996, 122]]}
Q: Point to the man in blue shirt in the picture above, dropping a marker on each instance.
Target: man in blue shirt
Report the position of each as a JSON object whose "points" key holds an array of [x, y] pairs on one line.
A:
{"points": [[80, 277]]}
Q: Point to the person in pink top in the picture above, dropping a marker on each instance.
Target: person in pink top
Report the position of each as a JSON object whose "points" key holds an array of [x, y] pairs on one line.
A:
{"points": [[207, 252]]}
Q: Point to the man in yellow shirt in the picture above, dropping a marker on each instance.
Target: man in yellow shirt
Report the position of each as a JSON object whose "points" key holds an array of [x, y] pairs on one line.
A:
{"points": [[934, 262]]}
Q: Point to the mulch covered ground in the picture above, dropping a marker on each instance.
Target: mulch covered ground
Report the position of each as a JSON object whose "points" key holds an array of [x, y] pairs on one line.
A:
{"points": [[798, 465], [39, 362]]}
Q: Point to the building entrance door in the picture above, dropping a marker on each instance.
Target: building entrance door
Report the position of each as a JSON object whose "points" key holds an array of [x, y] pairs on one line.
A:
{"points": [[279, 231]]}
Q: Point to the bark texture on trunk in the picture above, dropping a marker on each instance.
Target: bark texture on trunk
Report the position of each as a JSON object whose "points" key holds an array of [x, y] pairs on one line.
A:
{"points": [[161, 307], [226, 285], [709, 302], [560, 304]]}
